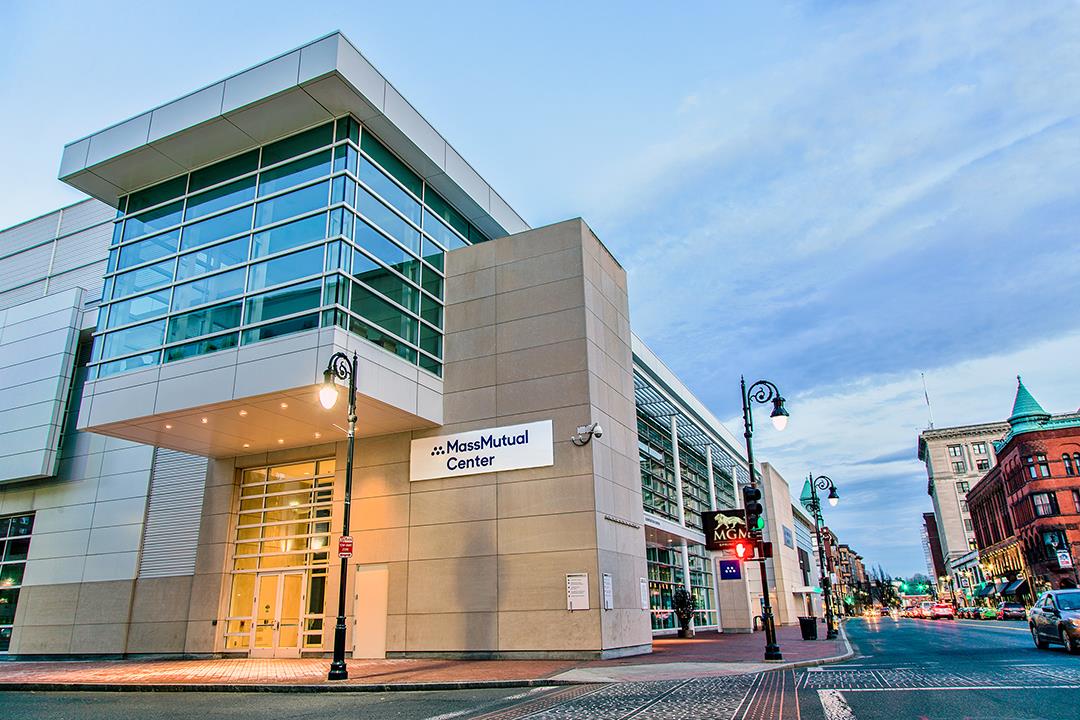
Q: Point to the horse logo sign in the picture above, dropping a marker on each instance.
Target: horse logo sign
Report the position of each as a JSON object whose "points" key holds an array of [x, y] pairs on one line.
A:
{"points": [[723, 527]]}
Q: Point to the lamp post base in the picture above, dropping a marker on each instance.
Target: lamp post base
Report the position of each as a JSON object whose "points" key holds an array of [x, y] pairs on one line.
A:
{"points": [[772, 653], [338, 671]]}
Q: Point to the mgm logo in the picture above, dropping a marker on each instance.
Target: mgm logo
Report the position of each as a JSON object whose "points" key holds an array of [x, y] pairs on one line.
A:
{"points": [[722, 527]]}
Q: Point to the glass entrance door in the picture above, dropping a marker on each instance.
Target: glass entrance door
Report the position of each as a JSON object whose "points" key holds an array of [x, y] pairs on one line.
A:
{"points": [[279, 602]]}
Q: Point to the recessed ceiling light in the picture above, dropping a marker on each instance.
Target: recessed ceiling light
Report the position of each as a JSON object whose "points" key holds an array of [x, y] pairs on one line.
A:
{"points": [[281, 441], [247, 445], [284, 406], [243, 413], [168, 427], [318, 435], [205, 420]]}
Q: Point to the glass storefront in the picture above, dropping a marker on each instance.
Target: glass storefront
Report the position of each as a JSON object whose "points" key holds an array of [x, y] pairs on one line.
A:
{"points": [[666, 575], [281, 558], [14, 548]]}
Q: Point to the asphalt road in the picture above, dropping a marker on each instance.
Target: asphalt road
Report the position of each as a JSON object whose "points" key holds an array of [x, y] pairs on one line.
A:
{"points": [[923, 670]]}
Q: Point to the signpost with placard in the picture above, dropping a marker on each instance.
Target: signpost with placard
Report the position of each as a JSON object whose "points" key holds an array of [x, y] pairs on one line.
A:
{"points": [[345, 546]]}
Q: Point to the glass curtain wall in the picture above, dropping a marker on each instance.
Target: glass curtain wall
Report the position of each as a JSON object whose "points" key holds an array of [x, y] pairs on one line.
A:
{"points": [[324, 227], [14, 548], [283, 525]]}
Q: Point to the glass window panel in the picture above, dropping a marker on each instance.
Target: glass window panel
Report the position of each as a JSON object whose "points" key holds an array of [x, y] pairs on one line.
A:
{"points": [[432, 283], [371, 208], [12, 574], [431, 365], [393, 287], [389, 190], [209, 259], [433, 254], [116, 233], [285, 301], [134, 339], [290, 204], [9, 598], [285, 327], [439, 230], [143, 307], [390, 163], [21, 525], [149, 249], [431, 310], [348, 128], [288, 267], [17, 549], [201, 347], [153, 220], [224, 170], [156, 194], [204, 322], [294, 173], [431, 341], [215, 287], [283, 237], [380, 338], [215, 228], [376, 310], [337, 288], [476, 235], [145, 278], [298, 144], [345, 158], [444, 211], [220, 198], [384, 249]]}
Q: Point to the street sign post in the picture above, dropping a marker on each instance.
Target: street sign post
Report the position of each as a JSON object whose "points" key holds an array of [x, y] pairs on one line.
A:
{"points": [[1064, 559], [345, 546]]}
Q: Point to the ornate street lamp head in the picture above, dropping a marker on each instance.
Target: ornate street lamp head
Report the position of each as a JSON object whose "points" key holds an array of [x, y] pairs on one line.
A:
{"points": [[328, 393], [834, 497], [779, 413]]}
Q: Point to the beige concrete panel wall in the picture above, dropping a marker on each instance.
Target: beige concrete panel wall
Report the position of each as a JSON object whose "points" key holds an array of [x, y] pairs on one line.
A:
{"points": [[208, 599], [785, 561], [159, 615]]}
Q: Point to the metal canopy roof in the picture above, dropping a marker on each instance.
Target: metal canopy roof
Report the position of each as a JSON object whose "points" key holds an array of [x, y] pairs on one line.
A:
{"points": [[656, 405]]}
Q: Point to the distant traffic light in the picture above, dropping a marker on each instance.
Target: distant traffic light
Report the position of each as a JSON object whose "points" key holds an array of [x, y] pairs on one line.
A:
{"points": [[752, 504]]}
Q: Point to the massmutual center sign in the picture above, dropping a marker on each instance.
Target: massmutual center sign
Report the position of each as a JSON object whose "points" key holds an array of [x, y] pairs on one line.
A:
{"points": [[513, 447]]}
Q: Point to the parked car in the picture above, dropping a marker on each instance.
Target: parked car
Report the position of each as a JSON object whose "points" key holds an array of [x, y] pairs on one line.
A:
{"points": [[942, 611], [1055, 618], [1010, 611], [883, 611], [986, 613], [966, 612]]}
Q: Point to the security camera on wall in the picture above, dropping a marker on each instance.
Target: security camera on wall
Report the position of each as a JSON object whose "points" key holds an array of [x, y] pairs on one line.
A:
{"points": [[585, 433]]}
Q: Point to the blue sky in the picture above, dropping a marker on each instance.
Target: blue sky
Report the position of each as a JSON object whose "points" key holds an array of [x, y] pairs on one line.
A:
{"points": [[836, 196]]}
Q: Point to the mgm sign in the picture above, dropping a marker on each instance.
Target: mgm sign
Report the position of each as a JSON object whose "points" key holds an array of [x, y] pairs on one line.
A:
{"points": [[723, 528]]}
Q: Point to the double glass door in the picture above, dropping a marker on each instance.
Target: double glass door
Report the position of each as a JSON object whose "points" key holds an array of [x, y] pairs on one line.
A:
{"points": [[279, 603]]}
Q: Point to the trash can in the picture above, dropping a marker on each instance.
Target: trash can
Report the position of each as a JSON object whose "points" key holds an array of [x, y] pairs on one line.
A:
{"points": [[808, 625]]}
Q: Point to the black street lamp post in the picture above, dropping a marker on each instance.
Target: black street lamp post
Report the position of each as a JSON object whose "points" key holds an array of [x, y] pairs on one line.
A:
{"points": [[341, 367], [823, 482], [763, 392]]}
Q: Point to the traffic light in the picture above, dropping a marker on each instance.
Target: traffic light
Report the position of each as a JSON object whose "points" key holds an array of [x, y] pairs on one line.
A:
{"points": [[744, 549], [752, 504]]}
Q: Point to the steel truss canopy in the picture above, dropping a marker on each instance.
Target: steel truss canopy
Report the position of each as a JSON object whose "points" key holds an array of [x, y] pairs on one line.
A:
{"points": [[657, 406]]}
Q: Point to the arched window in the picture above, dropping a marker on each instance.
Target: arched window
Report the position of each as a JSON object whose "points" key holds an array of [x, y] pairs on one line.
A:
{"points": [[1076, 460], [1067, 462]]}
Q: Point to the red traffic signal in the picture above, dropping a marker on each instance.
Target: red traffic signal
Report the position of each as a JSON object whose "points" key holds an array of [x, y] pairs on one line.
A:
{"points": [[743, 549]]}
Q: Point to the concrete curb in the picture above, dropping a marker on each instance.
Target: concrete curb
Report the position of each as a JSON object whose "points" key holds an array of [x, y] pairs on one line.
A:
{"points": [[380, 687], [283, 688]]}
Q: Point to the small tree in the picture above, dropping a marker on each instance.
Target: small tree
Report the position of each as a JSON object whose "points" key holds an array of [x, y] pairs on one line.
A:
{"points": [[684, 604]]}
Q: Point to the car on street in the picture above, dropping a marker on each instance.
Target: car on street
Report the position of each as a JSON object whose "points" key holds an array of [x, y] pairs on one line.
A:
{"points": [[924, 610], [1055, 618], [940, 611], [968, 611], [986, 613], [1010, 611]]}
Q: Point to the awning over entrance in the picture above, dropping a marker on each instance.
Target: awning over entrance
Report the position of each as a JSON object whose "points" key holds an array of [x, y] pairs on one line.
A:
{"points": [[984, 590], [1016, 587], [999, 589]]}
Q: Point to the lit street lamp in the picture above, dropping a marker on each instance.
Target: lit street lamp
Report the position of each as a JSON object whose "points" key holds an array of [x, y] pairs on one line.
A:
{"points": [[341, 367], [763, 392], [813, 504]]}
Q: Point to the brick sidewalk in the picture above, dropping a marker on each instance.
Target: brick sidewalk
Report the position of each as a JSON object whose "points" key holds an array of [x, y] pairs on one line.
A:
{"points": [[708, 654]]}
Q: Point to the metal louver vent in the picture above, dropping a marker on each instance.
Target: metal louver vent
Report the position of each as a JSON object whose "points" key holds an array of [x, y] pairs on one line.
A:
{"points": [[171, 533]]}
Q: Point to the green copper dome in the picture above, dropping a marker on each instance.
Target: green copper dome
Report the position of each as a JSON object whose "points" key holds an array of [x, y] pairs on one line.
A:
{"points": [[1027, 413]]}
